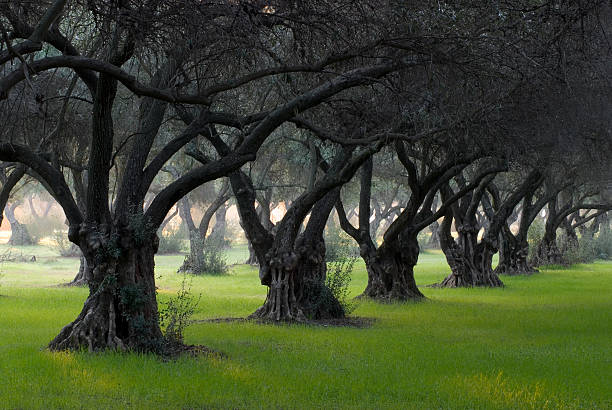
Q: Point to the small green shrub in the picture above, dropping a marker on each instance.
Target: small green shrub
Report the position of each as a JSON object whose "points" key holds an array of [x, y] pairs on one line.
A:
{"points": [[338, 280], [62, 244], [175, 314], [171, 242], [214, 261]]}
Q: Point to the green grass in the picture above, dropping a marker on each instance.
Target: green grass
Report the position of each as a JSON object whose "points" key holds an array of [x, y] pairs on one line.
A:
{"points": [[543, 341]]}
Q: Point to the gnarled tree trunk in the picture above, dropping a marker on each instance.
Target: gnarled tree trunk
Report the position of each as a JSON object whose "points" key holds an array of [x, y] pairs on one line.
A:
{"points": [[514, 261], [121, 309], [434, 239], [83, 276], [513, 255], [295, 275], [252, 260], [194, 262], [219, 229], [391, 269], [469, 260], [19, 232], [280, 273], [548, 253]]}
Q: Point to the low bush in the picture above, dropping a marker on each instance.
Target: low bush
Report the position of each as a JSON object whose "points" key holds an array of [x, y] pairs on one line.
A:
{"points": [[62, 244], [214, 257], [175, 314], [170, 242], [338, 280]]}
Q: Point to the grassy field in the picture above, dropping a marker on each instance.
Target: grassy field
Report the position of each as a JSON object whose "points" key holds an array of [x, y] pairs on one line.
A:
{"points": [[543, 341]]}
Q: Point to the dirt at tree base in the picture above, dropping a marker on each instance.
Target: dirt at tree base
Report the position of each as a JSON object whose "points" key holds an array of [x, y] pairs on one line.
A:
{"points": [[356, 322], [175, 352]]}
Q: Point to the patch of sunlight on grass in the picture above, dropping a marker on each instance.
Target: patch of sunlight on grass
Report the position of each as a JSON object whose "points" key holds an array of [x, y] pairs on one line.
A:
{"points": [[499, 391]]}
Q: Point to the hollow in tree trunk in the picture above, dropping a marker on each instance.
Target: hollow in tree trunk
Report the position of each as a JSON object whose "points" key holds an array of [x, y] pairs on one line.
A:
{"points": [[391, 269], [121, 310]]}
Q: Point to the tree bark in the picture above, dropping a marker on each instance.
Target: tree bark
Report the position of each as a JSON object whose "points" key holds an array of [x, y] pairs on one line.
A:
{"points": [[513, 255], [391, 269], [83, 276], [220, 226], [548, 253], [469, 260], [121, 310], [19, 232], [434, 239], [571, 238], [194, 263], [252, 260], [295, 274], [280, 272]]}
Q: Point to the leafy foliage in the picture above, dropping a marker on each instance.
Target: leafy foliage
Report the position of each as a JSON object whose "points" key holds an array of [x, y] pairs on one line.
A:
{"points": [[62, 244], [176, 313], [214, 261], [588, 250], [338, 280], [171, 242]]}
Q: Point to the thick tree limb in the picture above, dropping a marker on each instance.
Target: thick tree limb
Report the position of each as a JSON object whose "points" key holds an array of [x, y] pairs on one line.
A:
{"points": [[53, 179]]}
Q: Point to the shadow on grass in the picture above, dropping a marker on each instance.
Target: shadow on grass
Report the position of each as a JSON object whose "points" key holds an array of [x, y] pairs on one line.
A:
{"points": [[355, 322]]}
